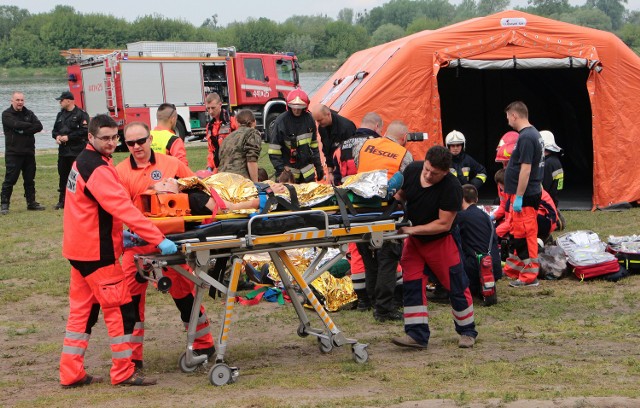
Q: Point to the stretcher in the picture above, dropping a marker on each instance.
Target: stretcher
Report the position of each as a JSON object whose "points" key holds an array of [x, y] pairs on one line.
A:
{"points": [[207, 249]]}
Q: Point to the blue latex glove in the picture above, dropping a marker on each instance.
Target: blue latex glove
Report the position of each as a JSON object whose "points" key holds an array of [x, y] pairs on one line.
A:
{"points": [[129, 239], [517, 204], [492, 217], [167, 247]]}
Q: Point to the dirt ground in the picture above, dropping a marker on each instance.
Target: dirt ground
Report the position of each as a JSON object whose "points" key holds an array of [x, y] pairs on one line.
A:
{"points": [[263, 341]]}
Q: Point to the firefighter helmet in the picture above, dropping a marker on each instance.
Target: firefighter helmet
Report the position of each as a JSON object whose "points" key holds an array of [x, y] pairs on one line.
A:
{"points": [[550, 141], [506, 145], [455, 138], [298, 99]]}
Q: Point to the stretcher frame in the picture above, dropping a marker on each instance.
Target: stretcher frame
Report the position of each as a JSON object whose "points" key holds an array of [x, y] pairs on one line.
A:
{"points": [[201, 256]]}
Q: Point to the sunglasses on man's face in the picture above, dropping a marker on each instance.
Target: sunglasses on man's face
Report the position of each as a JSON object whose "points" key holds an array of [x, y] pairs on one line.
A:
{"points": [[138, 142]]}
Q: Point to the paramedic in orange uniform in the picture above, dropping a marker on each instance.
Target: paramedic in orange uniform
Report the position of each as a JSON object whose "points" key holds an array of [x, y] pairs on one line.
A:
{"points": [[220, 126], [138, 173], [96, 206]]}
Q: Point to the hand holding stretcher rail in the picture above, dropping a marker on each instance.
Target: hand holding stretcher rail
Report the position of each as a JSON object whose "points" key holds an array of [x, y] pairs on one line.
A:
{"points": [[206, 250]]}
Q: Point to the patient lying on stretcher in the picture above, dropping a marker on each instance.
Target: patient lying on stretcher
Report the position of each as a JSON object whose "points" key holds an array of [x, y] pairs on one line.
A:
{"points": [[203, 203], [225, 192]]}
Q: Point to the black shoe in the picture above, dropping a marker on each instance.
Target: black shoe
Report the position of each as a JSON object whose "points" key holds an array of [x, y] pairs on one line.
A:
{"points": [[363, 306], [439, 295], [394, 316], [209, 351], [35, 206], [139, 364], [4, 209], [59, 206]]}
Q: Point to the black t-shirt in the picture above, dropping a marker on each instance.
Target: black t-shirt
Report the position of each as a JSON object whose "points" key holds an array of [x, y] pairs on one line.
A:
{"points": [[424, 203], [529, 149]]}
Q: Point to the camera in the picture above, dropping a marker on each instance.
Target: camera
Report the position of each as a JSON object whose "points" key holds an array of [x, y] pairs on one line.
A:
{"points": [[417, 136]]}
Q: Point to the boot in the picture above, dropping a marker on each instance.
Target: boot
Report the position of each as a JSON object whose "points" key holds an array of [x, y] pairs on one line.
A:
{"points": [[4, 209], [35, 206]]}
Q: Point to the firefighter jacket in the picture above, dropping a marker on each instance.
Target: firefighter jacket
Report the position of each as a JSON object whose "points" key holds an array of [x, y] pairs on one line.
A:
{"points": [[468, 171], [553, 179], [96, 206], [347, 156], [166, 142], [74, 124], [333, 135], [19, 129], [383, 153], [294, 144], [217, 129]]}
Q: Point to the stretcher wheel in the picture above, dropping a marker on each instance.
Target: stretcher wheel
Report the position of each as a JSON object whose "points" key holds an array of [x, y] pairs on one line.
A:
{"points": [[302, 330], [221, 374], [164, 284], [325, 345], [360, 353], [182, 363]]}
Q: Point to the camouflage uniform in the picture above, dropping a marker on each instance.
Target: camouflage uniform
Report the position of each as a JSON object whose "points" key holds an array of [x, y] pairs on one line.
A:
{"points": [[240, 147]]}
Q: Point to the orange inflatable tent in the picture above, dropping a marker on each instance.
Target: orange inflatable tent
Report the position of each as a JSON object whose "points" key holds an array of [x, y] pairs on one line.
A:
{"points": [[580, 83]]}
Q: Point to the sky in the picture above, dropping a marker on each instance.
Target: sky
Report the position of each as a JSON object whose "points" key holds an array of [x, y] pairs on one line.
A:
{"points": [[196, 11]]}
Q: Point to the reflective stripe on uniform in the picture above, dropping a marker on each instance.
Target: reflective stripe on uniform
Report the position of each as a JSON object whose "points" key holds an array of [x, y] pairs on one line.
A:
{"points": [[121, 339], [274, 149], [304, 138], [307, 170], [416, 315], [482, 177], [79, 351], [463, 317], [203, 332], [76, 336], [122, 354]]}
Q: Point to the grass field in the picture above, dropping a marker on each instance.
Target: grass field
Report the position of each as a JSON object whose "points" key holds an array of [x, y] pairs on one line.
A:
{"points": [[566, 340]]}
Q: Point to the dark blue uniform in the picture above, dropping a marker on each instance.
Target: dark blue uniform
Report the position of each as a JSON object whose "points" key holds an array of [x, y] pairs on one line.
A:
{"points": [[475, 232]]}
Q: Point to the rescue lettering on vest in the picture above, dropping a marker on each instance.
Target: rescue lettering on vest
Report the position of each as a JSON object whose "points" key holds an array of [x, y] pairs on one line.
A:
{"points": [[372, 149]]}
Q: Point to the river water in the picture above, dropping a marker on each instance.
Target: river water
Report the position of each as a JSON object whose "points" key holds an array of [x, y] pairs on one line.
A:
{"points": [[40, 94]]}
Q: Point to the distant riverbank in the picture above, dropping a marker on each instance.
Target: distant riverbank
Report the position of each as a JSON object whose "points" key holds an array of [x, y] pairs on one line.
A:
{"points": [[22, 72]]}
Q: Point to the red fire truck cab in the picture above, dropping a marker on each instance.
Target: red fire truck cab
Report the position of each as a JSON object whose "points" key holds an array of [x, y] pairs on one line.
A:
{"points": [[129, 85]]}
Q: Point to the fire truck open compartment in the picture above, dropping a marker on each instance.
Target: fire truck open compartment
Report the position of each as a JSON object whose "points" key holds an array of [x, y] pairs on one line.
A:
{"points": [[214, 76]]}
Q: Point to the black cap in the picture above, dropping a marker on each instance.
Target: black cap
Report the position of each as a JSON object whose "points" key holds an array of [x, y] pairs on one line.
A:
{"points": [[65, 95]]}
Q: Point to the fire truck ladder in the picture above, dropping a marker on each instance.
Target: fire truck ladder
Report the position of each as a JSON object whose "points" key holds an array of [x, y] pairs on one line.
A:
{"points": [[110, 84]]}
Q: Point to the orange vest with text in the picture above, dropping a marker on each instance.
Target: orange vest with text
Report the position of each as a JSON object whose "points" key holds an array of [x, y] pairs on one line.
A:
{"points": [[381, 153]]}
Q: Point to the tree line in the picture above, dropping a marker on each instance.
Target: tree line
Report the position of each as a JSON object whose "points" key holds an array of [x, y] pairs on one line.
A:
{"points": [[35, 40]]}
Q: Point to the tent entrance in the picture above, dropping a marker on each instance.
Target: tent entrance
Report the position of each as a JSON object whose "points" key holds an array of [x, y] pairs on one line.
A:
{"points": [[473, 101]]}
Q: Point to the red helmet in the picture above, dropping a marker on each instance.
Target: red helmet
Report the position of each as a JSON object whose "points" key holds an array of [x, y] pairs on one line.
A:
{"points": [[298, 99], [506, 145]]}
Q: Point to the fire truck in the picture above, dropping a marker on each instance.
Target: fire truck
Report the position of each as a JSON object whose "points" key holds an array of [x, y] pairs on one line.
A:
{"points": [[130, 84]]}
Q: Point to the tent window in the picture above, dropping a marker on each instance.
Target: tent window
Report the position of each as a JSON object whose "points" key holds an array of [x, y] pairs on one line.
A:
{"points": [[357, 79]]}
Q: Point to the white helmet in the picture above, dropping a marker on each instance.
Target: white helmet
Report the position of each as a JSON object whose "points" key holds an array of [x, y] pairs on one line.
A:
{"points": [[549, 141], [454, 138]]}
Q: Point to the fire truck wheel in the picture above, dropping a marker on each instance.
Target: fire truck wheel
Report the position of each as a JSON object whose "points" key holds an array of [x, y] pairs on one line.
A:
{"points": [[180, 130]]}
